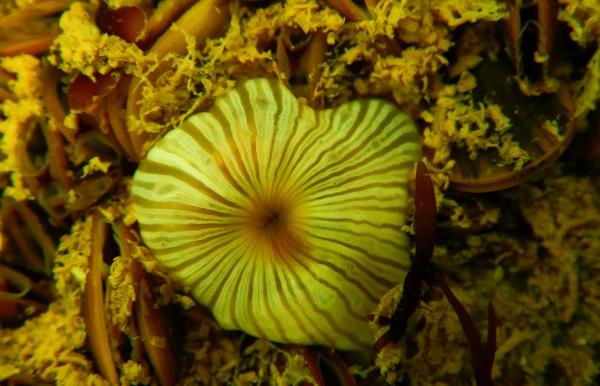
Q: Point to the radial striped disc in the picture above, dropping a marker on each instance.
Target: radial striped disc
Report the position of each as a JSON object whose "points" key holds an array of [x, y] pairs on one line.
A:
{"points": [[285, 221]]}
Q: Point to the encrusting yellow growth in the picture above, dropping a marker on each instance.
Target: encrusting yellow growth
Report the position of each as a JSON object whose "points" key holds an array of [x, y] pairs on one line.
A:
{"points": [[27, 87], [285, 221]]}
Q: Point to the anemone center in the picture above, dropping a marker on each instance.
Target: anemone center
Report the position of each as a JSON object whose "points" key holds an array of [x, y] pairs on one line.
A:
{"points": [[273, 227]]}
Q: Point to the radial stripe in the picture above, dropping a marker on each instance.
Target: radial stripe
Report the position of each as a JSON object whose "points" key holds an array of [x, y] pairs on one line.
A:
{"points": [[342, 272], [309, 317], [168, 171], [347, 145], [382, 260], [328, 317], [377, 280], [226, 121], [272, 299]]}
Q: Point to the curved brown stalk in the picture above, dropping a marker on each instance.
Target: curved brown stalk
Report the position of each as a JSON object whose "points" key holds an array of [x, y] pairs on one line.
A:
{"points": [[317, 359], [31, 151], [36, 10], [19, 281], [93, 305], [30, 30], [163, 15], [57, 156], [425, 229], [547, 11], [5, 95], [482, 358], [115, 109], [14, 286], [127, 22], [32, 45], [513, 29], [52, 196], [309, 66], [348, 9], [28, 232], [205, 19], [90, 190], [155, 333], [85, 92], [93, 143], [5, 78], [26, 380], [283, 59], [50, 79]]}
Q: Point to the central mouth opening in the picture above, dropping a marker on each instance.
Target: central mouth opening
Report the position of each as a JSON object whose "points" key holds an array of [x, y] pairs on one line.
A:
{"points": [[272, 221], [273, 227]]}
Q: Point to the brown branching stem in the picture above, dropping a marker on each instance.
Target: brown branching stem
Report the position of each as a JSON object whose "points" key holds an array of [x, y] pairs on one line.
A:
{"points": [[425, 223], [482, 358]]}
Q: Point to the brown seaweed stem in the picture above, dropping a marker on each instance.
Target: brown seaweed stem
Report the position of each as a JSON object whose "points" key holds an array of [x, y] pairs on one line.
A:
{"points": [[29, 234], [155, 333], [283, 59], [348, 9], [547, 12], [93, 305], [31, 151], [482, 358], [128, 22], [50, 79], [318, 358], [163, 15], [205, 19], [156, 330], [33, 45], [85, 91], [115, 110], [513, 29], [31, 29], [22, 379], [14, 286], [309, 66], [5, 95], [39, 9], [425, 228], [58, 162]]}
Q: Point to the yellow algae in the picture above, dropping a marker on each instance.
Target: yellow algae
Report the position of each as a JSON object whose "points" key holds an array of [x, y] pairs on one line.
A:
{"points": [[460, 123], [583, 19], [122, 292], [126, 3], [27, 69], [457, 13], [7, 371], [589, 88], [95, 164], [466, 82], [134, 373], [17, 114], [78, 44], [81, 47]]}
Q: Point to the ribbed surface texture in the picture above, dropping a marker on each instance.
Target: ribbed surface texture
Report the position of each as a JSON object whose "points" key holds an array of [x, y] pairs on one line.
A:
{"points": [[285, 221]]}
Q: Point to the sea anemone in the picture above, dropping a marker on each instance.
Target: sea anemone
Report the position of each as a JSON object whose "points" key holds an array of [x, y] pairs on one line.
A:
{"points": [[285, 221]]}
